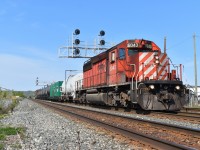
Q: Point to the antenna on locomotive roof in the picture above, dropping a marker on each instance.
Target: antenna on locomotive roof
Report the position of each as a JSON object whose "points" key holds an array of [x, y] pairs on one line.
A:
{"points": [[165, 45]]}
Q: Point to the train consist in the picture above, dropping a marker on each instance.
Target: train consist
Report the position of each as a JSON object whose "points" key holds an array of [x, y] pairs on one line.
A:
{"points": [[134, 73]]}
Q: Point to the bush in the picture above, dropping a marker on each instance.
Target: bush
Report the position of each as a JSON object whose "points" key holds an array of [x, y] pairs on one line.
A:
{"points": [[10, 107]]}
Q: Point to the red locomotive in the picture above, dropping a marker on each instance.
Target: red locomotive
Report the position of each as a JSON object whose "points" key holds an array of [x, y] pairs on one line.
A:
{"points": [[132, 73]]}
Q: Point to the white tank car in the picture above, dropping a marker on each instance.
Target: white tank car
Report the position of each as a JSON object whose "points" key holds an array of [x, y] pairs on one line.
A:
{"points": [[70, 85]]}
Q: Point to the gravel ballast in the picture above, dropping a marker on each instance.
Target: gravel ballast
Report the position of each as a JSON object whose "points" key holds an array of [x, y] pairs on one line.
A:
{"points": [[48, 130], [143, 117]]}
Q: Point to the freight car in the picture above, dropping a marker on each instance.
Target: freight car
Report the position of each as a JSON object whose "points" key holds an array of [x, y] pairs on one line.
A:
{"points": [[68, 87], [134, 73], [43, 93], [50, 92]]}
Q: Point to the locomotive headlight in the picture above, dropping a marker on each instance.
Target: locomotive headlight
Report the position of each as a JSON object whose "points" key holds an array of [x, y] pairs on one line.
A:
{"points": [[151, 87], [157, 61], [177, 87], [156, 57]]}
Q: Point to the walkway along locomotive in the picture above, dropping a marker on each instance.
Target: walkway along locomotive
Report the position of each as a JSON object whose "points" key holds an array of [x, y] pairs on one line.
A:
{"points": [[134, 73]]}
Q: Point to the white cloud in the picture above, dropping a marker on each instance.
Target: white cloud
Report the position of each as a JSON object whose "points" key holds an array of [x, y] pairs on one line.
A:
{"points": [[19, 73]]}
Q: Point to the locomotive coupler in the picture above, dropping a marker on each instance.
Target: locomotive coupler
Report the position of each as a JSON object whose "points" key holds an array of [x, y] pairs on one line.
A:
{"points": [[166, 97]]}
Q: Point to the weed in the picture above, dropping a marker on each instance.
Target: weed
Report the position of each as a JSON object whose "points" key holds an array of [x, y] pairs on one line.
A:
{"points": [[2, 116], [21, 131], [1, 146], [2, 137], [16, 146]]}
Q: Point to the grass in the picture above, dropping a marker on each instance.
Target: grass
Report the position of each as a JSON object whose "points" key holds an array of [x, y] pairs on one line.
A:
{"points": [[6, 131], [2, 116], [1, 146], [2, 137]]}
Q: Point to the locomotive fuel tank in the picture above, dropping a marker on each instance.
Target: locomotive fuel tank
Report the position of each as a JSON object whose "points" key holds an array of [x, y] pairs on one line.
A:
{"points": [[96, 98]]}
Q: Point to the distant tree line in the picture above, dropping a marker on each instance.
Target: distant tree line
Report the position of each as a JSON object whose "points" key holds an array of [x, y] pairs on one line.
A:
{"points": [[10, 94]]}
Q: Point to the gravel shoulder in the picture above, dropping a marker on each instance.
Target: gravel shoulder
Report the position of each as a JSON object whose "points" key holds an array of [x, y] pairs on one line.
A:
{"points": [[48, 130]]}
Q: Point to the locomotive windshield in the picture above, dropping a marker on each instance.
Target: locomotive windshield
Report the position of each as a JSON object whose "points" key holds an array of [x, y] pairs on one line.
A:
{"points": [[131, 52]]}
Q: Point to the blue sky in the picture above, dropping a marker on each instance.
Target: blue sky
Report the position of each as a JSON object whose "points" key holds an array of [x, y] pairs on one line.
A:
{"points": [[31, 31]]}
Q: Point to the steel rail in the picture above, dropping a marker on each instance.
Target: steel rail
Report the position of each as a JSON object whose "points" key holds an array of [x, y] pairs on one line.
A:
{"points": [[158, 143], [181, 114], [155, 123]]}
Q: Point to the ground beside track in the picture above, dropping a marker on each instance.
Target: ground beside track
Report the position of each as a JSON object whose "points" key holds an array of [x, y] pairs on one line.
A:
{"points": [[48, 130]]}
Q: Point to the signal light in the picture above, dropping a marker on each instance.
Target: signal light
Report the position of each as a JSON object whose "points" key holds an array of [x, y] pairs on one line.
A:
{"points": [[76, 51], [77, 41], [37, 81], [77, 32], [102, 42], [102, 33]]}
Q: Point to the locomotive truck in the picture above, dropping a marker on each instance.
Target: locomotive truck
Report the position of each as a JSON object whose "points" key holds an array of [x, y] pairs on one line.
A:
{"points": [[133, 73]]}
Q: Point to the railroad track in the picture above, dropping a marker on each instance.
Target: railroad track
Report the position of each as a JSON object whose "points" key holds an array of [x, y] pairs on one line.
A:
{"points": [[190, 117], [190, 109], [154, 134], [180, 116]]}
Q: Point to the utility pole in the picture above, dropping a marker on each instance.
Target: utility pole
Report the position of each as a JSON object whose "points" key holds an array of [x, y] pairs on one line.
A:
{"points": [[165, 47], [195, 65]]}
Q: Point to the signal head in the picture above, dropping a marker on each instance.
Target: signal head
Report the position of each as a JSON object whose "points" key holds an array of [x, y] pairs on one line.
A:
{"points": [[77, 32], [102, 33], [102, 42], [77, 41], [76, 51]]}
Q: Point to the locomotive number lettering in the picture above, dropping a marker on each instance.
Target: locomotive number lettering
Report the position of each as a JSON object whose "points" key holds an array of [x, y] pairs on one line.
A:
{"points": [[134, 45], [148, 46]]}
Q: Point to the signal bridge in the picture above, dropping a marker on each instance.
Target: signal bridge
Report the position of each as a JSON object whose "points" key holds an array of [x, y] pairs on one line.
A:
{"points": [[41, 83], [75, 50]]}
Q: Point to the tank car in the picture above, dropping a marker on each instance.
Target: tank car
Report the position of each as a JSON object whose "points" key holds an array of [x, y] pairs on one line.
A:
{"points": [[50, 92], [134, 73], [69, 87], [43, 93]]}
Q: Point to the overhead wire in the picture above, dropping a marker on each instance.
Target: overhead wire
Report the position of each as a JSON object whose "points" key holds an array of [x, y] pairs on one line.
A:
{"points": [[179, 43]]}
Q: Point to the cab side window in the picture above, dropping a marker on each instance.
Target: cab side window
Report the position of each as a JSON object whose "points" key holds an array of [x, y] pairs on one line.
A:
{"points": [[112, 59], [121, 53]]}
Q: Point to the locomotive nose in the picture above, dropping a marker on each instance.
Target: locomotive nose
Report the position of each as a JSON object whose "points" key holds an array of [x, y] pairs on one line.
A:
{"points": [[166, 97]]}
